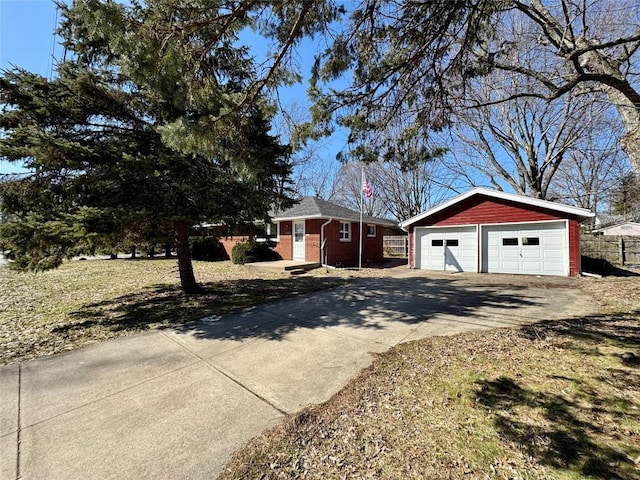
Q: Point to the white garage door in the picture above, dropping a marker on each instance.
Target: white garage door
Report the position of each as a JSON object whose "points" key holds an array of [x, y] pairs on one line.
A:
{"points": [[453, 249], [533, 249]]}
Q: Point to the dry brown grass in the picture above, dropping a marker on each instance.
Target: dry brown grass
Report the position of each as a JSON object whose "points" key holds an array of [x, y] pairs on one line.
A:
{"points": [[616, 294], [84, 302], [554, 400]]}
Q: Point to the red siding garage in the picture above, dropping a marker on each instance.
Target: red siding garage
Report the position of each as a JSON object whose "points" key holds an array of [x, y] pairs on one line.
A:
{"points": [[489, 231]]}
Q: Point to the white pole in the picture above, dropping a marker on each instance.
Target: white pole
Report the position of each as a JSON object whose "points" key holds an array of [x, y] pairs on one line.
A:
{"points": [[361, 208]]}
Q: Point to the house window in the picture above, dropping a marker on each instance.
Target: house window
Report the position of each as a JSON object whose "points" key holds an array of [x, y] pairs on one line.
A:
{"points": [[345, 231], [267, 231], [437, 243], [452, 243], [531, 241], [271, 231], [371, 230], [298, 232], [509, 241]]}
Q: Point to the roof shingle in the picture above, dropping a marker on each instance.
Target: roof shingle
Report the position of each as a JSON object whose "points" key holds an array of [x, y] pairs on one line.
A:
{"points": [[313, 207]]}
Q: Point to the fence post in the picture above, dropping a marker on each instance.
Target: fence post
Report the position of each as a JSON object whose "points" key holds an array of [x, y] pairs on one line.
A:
{"points": [[621, 250]]}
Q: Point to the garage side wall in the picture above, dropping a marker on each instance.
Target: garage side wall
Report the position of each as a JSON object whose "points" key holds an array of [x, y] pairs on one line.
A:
{"points": [[575, 263]]}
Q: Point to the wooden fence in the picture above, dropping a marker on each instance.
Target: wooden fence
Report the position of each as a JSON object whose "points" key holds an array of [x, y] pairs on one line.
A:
{"points": [[395, 246], [617, 250]]}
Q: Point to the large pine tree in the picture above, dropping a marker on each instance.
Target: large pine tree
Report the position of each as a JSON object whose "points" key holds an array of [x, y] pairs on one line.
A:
{"points": [[135, 135]]}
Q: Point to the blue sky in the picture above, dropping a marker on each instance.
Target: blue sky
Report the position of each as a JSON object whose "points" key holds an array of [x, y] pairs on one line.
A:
{"points": [[27, 40], [26, 34]]}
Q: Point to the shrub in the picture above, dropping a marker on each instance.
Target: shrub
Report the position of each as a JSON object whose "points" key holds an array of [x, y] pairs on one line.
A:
{"points": [[207, 248], [249, 252], [241, 253]]}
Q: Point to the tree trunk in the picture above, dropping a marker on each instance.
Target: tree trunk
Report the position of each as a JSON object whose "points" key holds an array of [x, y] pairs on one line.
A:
{"points": [[624, 98], [185, 267], [631, 146], [630, 116]]}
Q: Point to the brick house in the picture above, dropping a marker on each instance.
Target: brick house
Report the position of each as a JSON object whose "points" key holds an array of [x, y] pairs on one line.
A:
{"points": [[489, 231], [315, 230]]}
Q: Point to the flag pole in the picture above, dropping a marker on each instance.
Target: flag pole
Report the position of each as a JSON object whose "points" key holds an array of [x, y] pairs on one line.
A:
{"points": [[361, 208]]}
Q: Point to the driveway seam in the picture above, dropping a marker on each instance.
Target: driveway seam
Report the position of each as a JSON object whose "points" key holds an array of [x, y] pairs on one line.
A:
{"points": [[18, 422], [227, 375], [113, 394]]}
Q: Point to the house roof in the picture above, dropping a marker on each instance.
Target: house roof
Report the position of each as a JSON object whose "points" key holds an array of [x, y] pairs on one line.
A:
{"points": [[511, 197], [313, 207], [616, 225]]}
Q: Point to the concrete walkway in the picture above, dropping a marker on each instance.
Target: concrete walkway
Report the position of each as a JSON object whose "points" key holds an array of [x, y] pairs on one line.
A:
{"points": [[177, 403]]}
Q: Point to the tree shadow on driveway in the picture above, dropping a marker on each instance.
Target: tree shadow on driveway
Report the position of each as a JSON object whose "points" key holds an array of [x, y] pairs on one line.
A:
{"points": [[373, 303], [167, 305]]}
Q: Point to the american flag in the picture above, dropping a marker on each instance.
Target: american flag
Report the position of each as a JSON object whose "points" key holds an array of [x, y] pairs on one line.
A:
{"points": [[366, 188]]}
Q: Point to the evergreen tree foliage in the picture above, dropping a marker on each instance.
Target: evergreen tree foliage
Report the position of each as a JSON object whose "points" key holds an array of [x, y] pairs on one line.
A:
{"points": [[626, 199], [135, 136]]}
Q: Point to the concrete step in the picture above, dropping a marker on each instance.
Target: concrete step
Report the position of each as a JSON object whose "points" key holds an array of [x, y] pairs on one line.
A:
{"points": [[304, 266], [297, 271]]}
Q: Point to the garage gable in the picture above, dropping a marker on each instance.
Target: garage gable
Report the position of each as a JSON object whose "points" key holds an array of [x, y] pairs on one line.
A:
{"points": [[483, 206], [487, 210]]}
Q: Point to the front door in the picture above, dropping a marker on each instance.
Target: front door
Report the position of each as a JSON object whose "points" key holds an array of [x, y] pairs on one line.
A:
{"points": [[298, 240]]}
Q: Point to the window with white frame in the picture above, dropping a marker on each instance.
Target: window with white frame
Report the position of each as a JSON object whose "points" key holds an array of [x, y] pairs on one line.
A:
{"points": [[371, 230], [267, 231], [345, 231], [272, 231]]}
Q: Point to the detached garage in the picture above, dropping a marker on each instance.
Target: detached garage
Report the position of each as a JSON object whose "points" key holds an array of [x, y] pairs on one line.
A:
{"points": [[489, 231]]}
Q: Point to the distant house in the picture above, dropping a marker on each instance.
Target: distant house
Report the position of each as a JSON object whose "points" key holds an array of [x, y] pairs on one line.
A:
{"points": [[315, 230], [622, 228]]}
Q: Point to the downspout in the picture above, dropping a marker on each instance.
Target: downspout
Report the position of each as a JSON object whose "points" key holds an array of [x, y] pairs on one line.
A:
{"points": [[323, 241]]}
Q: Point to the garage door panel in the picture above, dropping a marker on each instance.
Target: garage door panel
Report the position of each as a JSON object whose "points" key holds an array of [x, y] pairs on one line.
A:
{"points": [[529, 265], [528, 253], [453, 248], [553, 269], [510, 266], [553, 242], [529, 249], [510, 253], [493, 241]]}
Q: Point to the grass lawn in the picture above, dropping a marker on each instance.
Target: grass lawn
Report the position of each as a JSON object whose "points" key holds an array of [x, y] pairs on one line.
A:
{"points": [[83, 302], [550, 401]]}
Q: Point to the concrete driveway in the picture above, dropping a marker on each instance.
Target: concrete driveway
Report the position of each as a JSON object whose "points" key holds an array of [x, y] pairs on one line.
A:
{"points": [[177, 403]]}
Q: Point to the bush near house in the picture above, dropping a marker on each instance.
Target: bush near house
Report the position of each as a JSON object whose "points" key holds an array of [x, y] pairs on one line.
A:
{"points": [[208, 249], [249, 252]]}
